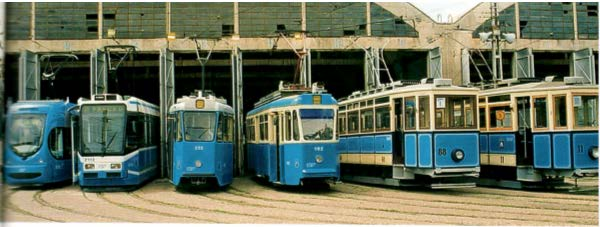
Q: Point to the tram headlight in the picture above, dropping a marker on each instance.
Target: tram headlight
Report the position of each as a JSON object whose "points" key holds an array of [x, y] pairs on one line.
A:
{"points": [[115, 166], [458, 155], [593, 152], [88, 166], [198, 163], [319, 159]]}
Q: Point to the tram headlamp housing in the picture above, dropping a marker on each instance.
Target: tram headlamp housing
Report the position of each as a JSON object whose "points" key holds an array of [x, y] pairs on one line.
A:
{"points": [[198, 163], [115, 166], [200, 104], [458, 155], [88, 166], [319, 159], [593, 152]]}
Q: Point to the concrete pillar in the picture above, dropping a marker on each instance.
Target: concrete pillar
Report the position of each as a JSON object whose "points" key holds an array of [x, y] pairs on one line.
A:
{"points": [[236, 18], [303, 16], [2, 45], [575, 29], [517, 21], [368, 27], [100, 19], [32, 22], [168, 18]]}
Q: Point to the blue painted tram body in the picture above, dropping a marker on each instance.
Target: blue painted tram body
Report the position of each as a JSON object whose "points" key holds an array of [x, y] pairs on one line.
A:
{"points": [[535, 134], [118, 141], [37, 148], [410, 135], [291, 138], [200, 141]]}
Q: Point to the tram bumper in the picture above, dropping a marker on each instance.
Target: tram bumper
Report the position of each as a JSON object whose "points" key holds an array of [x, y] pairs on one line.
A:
{"points": [[27, 174], [585, 173], [456, 172]]}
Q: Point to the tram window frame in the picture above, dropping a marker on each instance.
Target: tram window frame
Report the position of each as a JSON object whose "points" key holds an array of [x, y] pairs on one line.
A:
{"points": [[342, 123], [424, 113], [179, 129], [536, 116], [384, 124], [448, 112], [482, 122], [364, 122], [287, 127], [224, 128], [585, 111], [263, 126], [509, 116], [353, 116], [295, 126], [63, 135], [398, 113], [135, 132], [410, 113], [250, 129], [560, 114]]}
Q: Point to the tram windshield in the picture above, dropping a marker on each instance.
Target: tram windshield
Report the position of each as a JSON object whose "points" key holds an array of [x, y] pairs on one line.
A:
{"points": [[317, 124], [199, 126], [103, 129], [25, 133]]}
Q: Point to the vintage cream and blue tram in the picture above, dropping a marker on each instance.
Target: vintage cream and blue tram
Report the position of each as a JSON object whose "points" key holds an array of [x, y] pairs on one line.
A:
{"points": [[291, 138], [118, 142], [37, 148], [534, 134], [200, 141], [422, 134]]}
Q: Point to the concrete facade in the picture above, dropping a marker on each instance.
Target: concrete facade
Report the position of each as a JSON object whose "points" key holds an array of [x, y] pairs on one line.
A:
{"points": [[451, 37]]}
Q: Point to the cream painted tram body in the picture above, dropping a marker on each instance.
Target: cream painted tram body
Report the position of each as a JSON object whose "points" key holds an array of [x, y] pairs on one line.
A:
{"points": [[538, 133], [424, 134]]}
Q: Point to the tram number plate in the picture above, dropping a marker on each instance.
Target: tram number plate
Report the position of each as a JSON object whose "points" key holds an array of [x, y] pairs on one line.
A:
{"points": [[319, 148], [100, 165], [198, 148]]}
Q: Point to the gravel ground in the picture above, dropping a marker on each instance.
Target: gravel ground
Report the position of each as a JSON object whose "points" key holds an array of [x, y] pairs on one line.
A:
{"points": [[249, 201]]}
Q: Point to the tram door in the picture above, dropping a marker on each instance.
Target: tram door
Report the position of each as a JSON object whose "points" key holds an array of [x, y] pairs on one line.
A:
{"points": [[74, 118], [524, 136], [398, 148], [171, 131], [277, 130]]}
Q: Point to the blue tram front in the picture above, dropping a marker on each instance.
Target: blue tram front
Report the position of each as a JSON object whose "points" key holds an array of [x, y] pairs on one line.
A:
{"points": [[414, 135], [200, 141], [37, 147], [118, 141], [291, 136], [535, 134]]}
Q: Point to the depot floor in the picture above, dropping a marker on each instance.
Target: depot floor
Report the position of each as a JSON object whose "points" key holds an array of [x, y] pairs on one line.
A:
{"points": [[251, 201]]}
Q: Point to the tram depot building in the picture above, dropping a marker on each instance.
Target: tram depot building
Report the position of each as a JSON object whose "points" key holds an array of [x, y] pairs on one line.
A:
{"points": [[155, 51]]}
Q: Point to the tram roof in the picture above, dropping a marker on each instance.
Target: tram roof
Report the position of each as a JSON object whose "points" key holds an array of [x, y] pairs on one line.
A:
{"points": [[40, 105], [133, 104], [390, 89], [294, 100], [537, 86], [211, 103]]}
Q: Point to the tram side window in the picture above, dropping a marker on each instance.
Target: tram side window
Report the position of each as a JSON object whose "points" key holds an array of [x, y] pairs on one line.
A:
{"points": [[135, 133], [178, 127], [586, 111], [263, 127], [482, 118], [382, 118], [60, 143], [250, 130], [500, 117], [398, 111], [287, 126], [221, 128], [560, 111], [295, 131], [353, 122], [366, 120], [409, 109], [540, 112], [424, 112], [342, 123]]}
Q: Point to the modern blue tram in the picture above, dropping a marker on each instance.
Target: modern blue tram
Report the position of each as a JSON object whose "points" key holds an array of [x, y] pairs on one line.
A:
{"points": [[37, 149], [200, 141], [534, 134], [118, 141], [291, 138], [423, 134]]}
